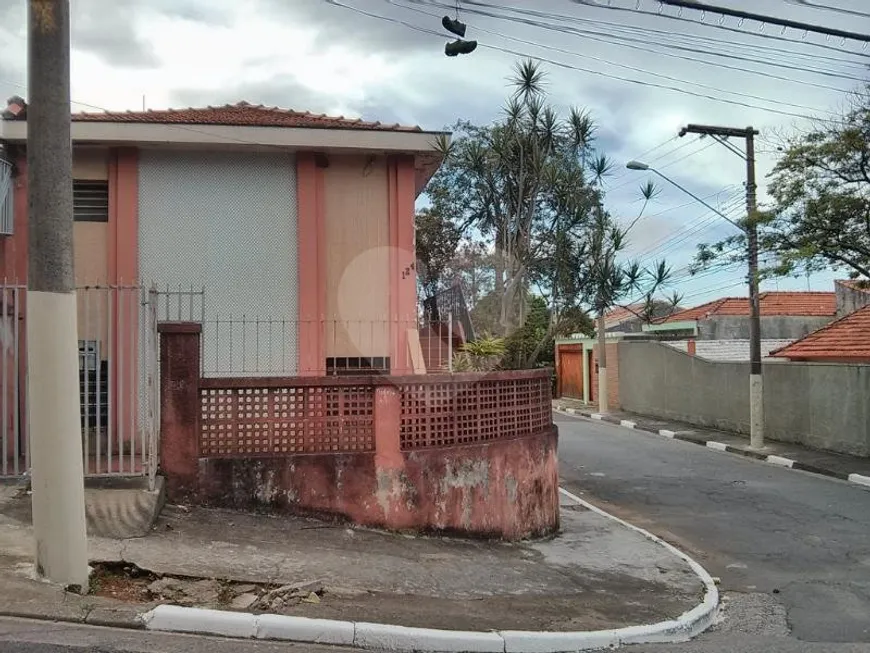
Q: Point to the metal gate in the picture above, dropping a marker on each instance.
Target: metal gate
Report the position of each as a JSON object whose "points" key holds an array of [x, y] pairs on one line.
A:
{"points": [[118, 381]]}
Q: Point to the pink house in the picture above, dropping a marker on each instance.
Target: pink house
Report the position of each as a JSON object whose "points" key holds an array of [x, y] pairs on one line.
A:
{"points": [[277, 214], [289, 234]]}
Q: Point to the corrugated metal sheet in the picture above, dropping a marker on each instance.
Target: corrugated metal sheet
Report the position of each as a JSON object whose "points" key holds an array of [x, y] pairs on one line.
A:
{"points": [[226, 222]]}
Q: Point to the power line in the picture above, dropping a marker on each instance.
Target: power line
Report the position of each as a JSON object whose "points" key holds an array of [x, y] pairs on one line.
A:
{"points": [[773, 20], [817, 5], [611, 27], [620, 65], [592, 3], [562, 64], [613, 38]]}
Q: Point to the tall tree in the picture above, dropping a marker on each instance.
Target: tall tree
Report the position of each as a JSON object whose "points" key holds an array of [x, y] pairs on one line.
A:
{"points": [[820, 216], [519, 183], [436, 240]]}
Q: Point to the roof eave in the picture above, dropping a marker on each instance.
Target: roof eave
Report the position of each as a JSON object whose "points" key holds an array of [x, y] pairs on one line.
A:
{"points": [[291, 138]]}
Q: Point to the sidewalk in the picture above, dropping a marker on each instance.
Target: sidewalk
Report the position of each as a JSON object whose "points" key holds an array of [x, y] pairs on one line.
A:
{"points": [[597, 574], [847, 468]]}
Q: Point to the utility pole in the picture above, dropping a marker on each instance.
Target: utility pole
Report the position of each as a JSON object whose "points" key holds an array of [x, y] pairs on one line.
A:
{"points": [[756, 387], [602, 366], [54, 416]]}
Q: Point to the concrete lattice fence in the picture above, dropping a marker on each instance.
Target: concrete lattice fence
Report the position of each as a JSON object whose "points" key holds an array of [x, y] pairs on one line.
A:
{"points": [[819, 405]]}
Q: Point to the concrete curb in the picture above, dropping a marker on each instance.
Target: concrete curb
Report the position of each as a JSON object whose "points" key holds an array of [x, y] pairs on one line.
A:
{"points": [[780, 461], [387, 637]]}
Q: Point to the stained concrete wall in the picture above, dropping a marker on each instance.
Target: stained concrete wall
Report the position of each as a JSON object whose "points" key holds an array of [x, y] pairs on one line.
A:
{"points": [[774, 327], [850, 299], [507, 489], [819, 405]]}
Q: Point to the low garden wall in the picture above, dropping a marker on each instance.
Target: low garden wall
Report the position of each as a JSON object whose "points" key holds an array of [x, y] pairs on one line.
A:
{"points": [[472, 454]]}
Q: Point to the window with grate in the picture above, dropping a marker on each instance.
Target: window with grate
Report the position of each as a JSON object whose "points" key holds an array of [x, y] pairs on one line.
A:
{"points": [[90, 201], [356, 365]]}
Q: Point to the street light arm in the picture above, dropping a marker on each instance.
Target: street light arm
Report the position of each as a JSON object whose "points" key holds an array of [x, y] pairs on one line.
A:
{"points": [[698, 199]]}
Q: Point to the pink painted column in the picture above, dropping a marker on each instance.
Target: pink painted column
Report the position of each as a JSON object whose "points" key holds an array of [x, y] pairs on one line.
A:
{"points": [[403, 275], [311, 261], [123, 269]]}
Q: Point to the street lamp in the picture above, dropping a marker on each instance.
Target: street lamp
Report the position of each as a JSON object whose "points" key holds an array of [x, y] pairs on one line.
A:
{"points": [[756, 405]]}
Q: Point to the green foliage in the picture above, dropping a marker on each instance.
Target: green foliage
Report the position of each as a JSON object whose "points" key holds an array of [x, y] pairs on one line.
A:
{"points": [[486, 346], [436, 241], [523, 183], [482, 355], [820, 216]]}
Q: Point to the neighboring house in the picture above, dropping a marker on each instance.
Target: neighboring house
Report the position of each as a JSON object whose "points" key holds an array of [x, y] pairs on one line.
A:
{"points": [[628, 319], [852, 294], [784, 316], [295, 219], [846, 340]]}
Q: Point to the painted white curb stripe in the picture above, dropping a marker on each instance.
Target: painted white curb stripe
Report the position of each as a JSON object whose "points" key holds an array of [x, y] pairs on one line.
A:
{"points": [[779, 460], [198, 620], [718, 446], [571, 411], [597, 416], [300, 629], [627, 423], [859, 479], [400, 638], [667, 433], [384, 637], [687, 625]]}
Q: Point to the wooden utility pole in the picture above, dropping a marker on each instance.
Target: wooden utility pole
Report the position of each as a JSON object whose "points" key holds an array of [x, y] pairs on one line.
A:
{"points": [[756, 388], [54, 415]]}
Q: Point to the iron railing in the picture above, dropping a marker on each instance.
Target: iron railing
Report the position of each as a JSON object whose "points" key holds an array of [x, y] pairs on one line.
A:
{"points": [[447, 305]]}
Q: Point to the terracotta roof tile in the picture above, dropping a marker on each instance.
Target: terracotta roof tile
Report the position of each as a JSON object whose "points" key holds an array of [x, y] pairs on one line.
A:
{"points": [[799, 304], [242, 114], [848, 337]]}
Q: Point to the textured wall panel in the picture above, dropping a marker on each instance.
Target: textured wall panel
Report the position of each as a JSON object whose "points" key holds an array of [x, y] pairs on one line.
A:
{"points": [[226, 222]]}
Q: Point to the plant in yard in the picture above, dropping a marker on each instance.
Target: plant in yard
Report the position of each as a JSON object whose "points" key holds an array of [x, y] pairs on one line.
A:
{"points": [[484, 354]]}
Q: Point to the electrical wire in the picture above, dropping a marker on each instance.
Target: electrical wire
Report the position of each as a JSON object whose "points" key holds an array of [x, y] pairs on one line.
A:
{"points": [[645, 44], [636, 69], [596, 5], [817, 5], [562, 64], [611, 27]]}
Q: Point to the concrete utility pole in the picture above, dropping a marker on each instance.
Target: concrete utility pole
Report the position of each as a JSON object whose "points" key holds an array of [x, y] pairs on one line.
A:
{"points": [[602, 366], [52, 331], [756, 388]]}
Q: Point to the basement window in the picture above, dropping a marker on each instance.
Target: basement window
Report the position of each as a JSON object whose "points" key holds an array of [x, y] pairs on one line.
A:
{"points": [[357, 365], [90, 201]]}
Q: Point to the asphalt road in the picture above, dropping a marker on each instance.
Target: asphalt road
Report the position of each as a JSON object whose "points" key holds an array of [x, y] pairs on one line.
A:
{"points": [[792, 549]]}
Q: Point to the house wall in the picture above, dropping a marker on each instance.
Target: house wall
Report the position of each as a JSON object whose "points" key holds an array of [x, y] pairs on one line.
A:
{"points": [[779, 327], [849, 299], [91, 253], [357, 256], [226, 222], [823, 406]]}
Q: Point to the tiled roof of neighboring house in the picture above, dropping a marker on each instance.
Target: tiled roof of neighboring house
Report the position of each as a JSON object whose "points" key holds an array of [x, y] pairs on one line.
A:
{"points": [[727, 350], [620, 314], [848, 337], [241, 114], [799, 304]]}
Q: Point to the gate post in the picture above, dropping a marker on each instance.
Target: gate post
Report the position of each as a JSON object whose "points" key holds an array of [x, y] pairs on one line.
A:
{"points": [[179, 407]]}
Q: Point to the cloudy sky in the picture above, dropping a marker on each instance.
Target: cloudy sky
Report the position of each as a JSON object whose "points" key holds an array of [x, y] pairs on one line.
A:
{"points": [[643, 70]]}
